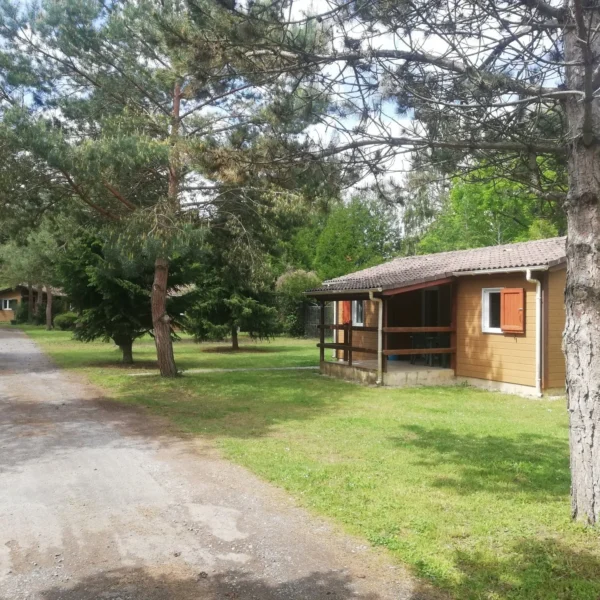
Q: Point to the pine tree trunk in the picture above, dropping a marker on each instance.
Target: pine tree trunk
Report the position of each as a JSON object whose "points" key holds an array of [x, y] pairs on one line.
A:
{"points": [[234, 338], [48, 308], [161, 320], [30, 303], [582, 295], [126, 347], [39, 302]]}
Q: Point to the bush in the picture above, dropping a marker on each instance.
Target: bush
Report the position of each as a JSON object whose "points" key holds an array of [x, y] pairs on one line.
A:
{"points": [[39, 315], [66, 321], [291, 299], [22, 313]]}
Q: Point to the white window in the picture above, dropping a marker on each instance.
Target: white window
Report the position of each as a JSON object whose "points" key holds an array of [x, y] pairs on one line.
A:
{"points": [[7, 304], [358, 312], [490, 310]]}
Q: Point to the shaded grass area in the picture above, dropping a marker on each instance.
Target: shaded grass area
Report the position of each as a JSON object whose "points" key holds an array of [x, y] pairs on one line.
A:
{"points": [[469, 488], [277, 352]]}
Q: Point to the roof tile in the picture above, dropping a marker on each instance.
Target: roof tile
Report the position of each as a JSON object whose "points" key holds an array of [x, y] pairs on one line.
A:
{"points": [[405, 271]]}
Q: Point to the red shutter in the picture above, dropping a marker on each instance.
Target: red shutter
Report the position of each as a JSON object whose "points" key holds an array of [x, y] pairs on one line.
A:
{"points": [[346, 311], [512, 310]]}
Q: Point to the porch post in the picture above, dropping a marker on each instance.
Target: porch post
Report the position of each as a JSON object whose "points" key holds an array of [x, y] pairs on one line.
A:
{"points": [[322, 332], [384, 307], [453, 308], [350, 343]]}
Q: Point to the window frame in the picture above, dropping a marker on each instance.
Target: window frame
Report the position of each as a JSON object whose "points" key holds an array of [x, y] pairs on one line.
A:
{"points": [[355, 321], [485, 310]]}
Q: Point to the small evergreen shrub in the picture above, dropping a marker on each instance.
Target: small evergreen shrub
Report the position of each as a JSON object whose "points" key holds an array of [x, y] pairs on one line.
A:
{"points": [[22, 313], [66, 321]]}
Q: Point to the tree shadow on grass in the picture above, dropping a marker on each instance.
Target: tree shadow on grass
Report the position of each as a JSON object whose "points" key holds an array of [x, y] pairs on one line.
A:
{"points": [[541, 569], [242, 350], [244, 405], [141, 584], [239, 404], [534, 464]]}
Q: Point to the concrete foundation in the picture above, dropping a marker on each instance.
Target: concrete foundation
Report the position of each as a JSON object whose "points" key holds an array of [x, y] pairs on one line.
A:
{"points": [[404, 374], [355, 373]]}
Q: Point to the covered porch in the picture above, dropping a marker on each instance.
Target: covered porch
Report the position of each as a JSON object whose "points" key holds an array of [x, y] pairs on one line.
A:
{"points": [[398, 337]]}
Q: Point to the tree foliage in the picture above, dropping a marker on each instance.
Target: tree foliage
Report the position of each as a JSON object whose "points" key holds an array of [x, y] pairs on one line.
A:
{"points": [[357, 235], [109, 286], [487, 212]]}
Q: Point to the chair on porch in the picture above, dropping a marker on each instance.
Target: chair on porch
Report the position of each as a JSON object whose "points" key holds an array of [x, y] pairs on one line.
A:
{"points": [[418, 341]]}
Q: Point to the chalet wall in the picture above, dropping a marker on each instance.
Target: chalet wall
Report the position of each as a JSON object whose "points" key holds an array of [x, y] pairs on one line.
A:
{"points": [[555, 306], [367, 339], [507, 358], [361, 339], [9, 315]]}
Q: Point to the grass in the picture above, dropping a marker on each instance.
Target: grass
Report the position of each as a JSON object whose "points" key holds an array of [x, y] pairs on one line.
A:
{"points": [[278, 352], [468, 488]]}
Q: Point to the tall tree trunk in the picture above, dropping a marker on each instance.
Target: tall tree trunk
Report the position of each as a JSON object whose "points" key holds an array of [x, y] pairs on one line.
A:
{"points": [[30, 303], [581, 340], [48, 308], [125, 344], [234, 338], [39, 299], [161, 321]]}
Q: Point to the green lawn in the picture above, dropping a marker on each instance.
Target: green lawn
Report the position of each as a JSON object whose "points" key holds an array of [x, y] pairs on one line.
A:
{"points": [[468, 488], [278, 352]]}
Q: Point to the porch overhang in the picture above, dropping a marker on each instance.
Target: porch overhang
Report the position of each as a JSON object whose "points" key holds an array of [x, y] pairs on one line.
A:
{"points": [[344, 294], [419, 285], [379, 292]]}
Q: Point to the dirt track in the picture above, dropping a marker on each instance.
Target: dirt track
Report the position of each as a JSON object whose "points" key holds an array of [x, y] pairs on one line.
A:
{"points": [[98, 502]]}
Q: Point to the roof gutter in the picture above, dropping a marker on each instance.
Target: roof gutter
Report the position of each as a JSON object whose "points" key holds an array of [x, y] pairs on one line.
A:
{"points": [[509, 270], [538, 331], [379, 301], [347, 292]]}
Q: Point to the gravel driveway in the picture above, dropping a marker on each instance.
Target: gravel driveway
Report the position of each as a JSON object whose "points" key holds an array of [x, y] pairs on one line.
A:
{"points": [[98, 502]]}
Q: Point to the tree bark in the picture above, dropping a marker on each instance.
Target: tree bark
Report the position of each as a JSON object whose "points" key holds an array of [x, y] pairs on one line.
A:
{"points": [[125, 344], [235, 345], [48, 308], [30, 303], [39, 299], [161, 320], [581, 341]]}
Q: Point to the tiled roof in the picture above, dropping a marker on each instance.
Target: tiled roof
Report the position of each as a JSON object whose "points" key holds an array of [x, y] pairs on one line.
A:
{"points": [[411, 270]]}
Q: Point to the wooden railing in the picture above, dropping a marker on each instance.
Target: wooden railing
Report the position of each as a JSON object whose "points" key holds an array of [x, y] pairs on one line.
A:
{"points": [[349, 348], [347, 345]]}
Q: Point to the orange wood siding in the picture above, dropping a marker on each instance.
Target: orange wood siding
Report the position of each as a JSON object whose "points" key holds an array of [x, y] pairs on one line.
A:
{"points": [[508, 358], [360, 339], [366, 339], [8, 315], [555, 305]]}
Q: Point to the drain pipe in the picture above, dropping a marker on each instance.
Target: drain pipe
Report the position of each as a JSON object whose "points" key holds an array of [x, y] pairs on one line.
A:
{"points": [[379, 338], [538, 332]]}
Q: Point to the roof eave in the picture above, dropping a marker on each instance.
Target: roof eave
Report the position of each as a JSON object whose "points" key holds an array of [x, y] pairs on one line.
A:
{"points": [[506, 270], [345, 291]]}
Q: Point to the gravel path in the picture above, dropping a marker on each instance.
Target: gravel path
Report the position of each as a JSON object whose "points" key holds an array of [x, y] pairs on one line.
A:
{"points": [[98, 501]]}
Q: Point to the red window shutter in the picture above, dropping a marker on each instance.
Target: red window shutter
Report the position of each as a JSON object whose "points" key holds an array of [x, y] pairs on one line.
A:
{"points": [[346, 311], [512, 310]]}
